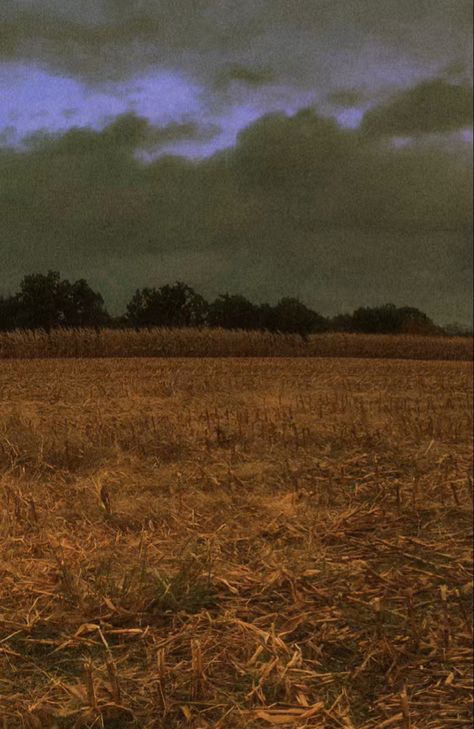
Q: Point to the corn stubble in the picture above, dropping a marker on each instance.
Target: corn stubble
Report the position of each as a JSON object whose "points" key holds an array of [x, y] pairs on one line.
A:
{"points": [[235, 543]]}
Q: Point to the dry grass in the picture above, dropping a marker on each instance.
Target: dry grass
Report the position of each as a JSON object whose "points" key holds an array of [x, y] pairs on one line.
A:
{"points": [[235, 544], [224, 343]]}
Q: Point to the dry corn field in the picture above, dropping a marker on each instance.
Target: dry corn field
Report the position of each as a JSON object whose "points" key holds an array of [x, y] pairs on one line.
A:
{"points": [[156, 342], [235, 543]]}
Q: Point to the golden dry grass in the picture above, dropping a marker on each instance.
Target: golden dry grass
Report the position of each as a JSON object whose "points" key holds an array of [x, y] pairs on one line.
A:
{"points": [[235, 544], [225, 343]]}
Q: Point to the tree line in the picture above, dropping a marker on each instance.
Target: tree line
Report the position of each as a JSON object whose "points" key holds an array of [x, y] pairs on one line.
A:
{"points": [[46, 301]]}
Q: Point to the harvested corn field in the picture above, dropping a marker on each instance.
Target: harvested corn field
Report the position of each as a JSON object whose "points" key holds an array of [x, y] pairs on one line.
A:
{"points": [[235, 543]]}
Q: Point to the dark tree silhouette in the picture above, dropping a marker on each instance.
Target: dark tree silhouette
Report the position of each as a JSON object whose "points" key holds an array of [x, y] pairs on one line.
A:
{"points": [[390, 319], [341, 323], [9, 308], [84, 307], [46, 301], [233, 311], [291, 316], [177, 305]]}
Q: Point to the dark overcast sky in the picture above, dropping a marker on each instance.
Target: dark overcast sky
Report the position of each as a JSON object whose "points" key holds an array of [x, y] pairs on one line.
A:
{"points": [[322, 148]]}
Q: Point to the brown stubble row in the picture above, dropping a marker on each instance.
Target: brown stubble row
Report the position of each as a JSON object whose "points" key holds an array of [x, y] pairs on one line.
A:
{"points": [[224, 343], [235, 543]]}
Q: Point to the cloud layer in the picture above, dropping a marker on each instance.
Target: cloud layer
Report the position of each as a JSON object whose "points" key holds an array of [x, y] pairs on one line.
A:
{"points": [[298, 206], [432, 106], [306, 42]]}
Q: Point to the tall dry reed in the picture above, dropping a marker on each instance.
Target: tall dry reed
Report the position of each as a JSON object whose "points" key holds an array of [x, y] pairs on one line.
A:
{"points": [[224, 343]]}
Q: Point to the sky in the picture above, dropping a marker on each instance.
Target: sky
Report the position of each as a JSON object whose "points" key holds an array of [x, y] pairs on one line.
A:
{"points": [[311, 148]]}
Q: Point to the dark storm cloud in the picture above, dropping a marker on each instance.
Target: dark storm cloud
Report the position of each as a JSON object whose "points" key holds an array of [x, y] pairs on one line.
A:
{"points": [[306, 41], [299, 205], [346, 98], [245, 75], [127, 132], [457, 70], [134, 132], [432, 106]]}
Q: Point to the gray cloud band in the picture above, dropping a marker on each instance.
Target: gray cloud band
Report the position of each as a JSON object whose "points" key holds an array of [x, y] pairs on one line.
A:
{"points": [[321, 43], [299, 205]]}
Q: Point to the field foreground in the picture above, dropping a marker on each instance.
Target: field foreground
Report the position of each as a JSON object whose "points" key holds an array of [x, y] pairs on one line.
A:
{"points": [[224, 543]]}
